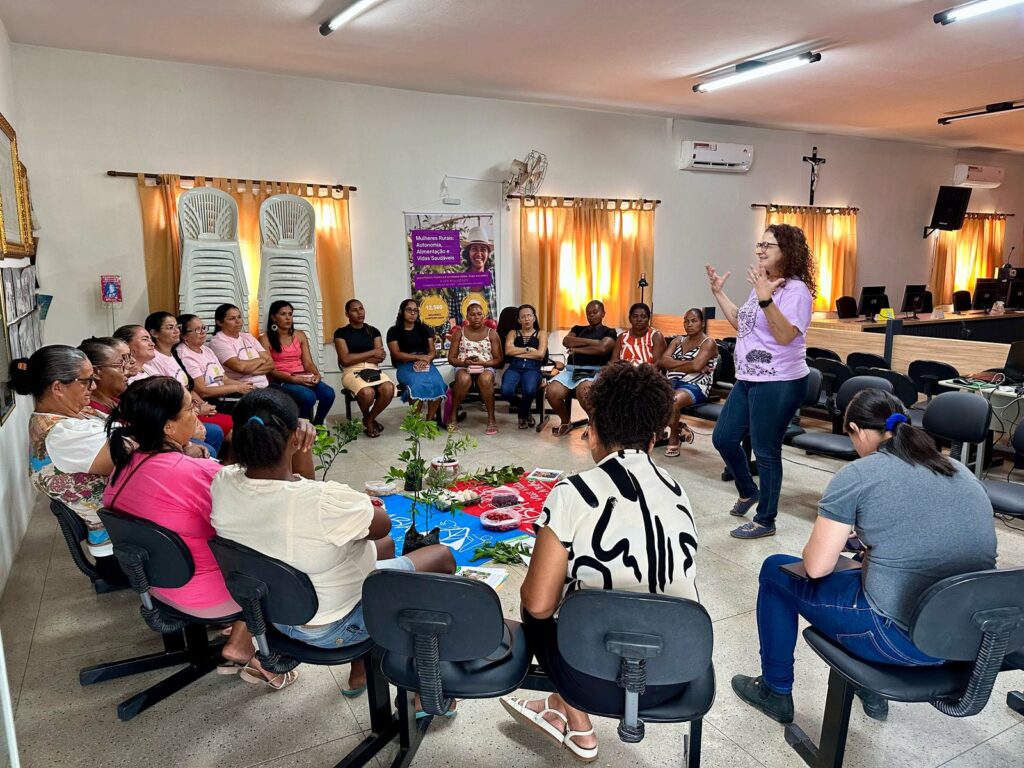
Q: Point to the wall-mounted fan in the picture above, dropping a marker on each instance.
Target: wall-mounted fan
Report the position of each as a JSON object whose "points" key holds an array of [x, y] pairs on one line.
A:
{"points": [[526, 175]]}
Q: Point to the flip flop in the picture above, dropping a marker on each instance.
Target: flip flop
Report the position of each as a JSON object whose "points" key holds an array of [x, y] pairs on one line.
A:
{"points": [[278, 682], [492, 429], [229, 667], [685, 433], [672, 451], [351, 693], [561, 430]]}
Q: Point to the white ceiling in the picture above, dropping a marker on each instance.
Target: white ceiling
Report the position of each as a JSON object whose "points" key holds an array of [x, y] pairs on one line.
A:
{"points": [[886, 71]]}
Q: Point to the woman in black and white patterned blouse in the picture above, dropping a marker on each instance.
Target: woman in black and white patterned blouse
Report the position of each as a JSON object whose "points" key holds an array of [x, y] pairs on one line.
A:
{"points": [[592, 535]]}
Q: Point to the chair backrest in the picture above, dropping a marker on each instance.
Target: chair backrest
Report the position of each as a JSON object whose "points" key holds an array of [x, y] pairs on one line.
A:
{"points": [[926, 375], [852, 386], [597, 628], [67, 517], [205, 213], [1018, 441], [961, 301], [821, 353], [902, 387], [287, 221], [166, 560], [833, 373], [285, 595], [463, 614], [813, 387], [846, 306], [861, 361], [725, 371], [959, 416]]}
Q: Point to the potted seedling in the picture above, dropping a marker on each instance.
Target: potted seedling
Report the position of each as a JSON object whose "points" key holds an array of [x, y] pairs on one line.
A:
{"points": [[448, 461], [330, 443]]}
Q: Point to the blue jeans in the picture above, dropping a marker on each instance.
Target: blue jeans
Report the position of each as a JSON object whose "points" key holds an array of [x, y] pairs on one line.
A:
{"points": [[526, 375], [764, 409], [835, 606], [308, 397]]}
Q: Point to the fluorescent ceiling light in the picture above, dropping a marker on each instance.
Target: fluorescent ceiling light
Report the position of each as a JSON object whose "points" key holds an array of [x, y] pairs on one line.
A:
{"points": [[358, 8], [970, 10], [750, 70], [990, 109]]}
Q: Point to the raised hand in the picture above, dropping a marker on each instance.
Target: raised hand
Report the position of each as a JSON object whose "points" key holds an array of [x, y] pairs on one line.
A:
{"points": [[764, 287], [717, 281]]}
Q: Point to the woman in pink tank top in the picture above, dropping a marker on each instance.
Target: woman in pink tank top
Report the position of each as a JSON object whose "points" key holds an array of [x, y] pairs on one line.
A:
{"points": [[294, 369], [641, 343]]}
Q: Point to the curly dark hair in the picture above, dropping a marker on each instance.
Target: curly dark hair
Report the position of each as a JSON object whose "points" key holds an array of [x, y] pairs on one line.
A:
{"points": [[630, 405], [796, 255]]}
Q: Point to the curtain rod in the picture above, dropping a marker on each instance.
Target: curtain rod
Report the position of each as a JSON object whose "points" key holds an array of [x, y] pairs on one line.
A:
{"points": [[572, 199], [136, 174], [816, 207], [995, 213]]}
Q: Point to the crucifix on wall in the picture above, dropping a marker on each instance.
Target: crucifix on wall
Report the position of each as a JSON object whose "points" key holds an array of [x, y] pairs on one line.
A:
{"points": [[815, 162]]}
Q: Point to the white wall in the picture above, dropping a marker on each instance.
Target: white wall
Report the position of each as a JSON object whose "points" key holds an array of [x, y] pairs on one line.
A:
{"points": [[16, 495], [82, 114]]}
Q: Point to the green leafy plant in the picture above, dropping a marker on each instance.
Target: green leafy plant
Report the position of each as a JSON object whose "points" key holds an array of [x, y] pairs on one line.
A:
{"points": [[503, 552], [495, 476], [330, 443]]}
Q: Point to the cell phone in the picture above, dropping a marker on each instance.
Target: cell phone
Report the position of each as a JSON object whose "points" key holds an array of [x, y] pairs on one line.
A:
{"points": [[797, 569]]}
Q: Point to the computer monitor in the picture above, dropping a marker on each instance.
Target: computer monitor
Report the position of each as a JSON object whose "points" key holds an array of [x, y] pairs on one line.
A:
{"points": [[872, 299], [916, 299], [986, 293], [1015, 295]]}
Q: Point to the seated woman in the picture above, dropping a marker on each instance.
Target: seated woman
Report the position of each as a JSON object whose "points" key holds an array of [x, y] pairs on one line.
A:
{"points": [[640, 343], [111, 362], [526, 347], [69, 459], [140, 346], [294, 371], [474, 353], [155, 480], [910, 546], [324, 529], [360, 353], [202, 365], [243, 358], [631, 405], [690, 364], [411, 343]]}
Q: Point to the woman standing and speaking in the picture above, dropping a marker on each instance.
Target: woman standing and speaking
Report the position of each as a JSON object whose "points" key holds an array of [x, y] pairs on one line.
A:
{"points": [[771, 369]]}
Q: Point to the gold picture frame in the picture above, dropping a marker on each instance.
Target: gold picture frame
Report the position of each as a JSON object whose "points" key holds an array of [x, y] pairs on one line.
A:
{"points": [[15, 226]]}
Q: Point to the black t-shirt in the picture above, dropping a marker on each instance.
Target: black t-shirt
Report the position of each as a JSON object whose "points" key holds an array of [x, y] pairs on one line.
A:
{"points": [[358, 340], [418, 341], [591, 333]]}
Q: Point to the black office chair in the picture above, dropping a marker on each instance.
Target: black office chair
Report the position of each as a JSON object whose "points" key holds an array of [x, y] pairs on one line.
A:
{"points": [[810, 398], [444, 637], [837, 444], [961, 302], [153, 556], [268, 591], [74, 531], [963, 419], [846, 307], [821, 353], [973, 620], [637, 639], [904, 390], [1008, 498], [926, 375], [859, 362], [833, 375], [1015, 699]]}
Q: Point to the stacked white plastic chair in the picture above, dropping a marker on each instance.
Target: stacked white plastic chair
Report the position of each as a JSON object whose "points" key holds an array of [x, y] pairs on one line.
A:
{"points": [[288, 266], [211, 261]]}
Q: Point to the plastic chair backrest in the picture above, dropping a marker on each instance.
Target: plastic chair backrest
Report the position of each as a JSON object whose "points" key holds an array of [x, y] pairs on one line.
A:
{"points": [[287, 221], [846, 306], [1018, 441], [959, 416], [926, 374], [508, 320], [726, 370], [943, 624], [594, 622], [961, 301], [205, 213], [834, 373], [168, 562], [820, 353], [813, 387], [286, 595], [859, 362], [466, 614], [67, 515], [852, 386], [902, 387]]}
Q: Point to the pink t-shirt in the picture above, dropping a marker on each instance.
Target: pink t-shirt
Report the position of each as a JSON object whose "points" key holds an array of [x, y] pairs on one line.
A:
{"points": [[164, 365], [173, 490], [202, 365], [289, 359], [759, 357], [245, 347]]}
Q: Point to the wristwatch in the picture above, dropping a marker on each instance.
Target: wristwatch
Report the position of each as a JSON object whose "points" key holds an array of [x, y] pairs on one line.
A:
{"points": [[764, 302]]}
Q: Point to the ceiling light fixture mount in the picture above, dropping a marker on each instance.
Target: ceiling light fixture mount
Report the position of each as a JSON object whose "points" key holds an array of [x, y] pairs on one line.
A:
{"points": [[990, 109], [971, 10], [755, 68], [355, 9]]}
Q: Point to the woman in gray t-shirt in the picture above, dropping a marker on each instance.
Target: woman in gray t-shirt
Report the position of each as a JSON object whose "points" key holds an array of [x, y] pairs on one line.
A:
{"points": [[921, 518]]}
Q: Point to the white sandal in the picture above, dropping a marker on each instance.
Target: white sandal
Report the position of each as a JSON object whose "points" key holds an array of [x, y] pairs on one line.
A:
{"points": [[583, 754], [523, 714]]}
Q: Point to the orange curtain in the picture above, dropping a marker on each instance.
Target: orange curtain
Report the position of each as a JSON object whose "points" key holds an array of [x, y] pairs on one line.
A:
{"points": [[963, 255], [832, 236], [162, 247], [574, 251]]}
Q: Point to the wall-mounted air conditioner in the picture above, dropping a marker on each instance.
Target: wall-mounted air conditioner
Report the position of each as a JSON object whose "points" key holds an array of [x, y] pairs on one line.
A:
{"points": [[716, 156], [978, 176]]}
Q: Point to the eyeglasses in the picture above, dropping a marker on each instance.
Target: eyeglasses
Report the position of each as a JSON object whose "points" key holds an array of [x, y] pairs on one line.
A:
{"points": [[412, 309], [87, 381], [123, 365], [201, 329], [764, 246]]}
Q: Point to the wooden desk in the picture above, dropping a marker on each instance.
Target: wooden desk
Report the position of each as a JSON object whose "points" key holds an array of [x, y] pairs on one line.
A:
{"points": [[1003, 329]]}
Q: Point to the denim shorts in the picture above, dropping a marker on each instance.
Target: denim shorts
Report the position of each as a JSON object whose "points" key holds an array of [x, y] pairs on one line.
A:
{"points": [[350, 629], [696, 392]]}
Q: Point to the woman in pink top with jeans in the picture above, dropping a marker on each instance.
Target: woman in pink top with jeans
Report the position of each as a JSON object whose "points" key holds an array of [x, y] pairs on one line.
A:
{"points": [[157, 482], [771, 369], [294, 372]]}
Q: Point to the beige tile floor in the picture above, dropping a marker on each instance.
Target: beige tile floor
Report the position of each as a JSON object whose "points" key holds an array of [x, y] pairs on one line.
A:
{"points": [[53, 625]]}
